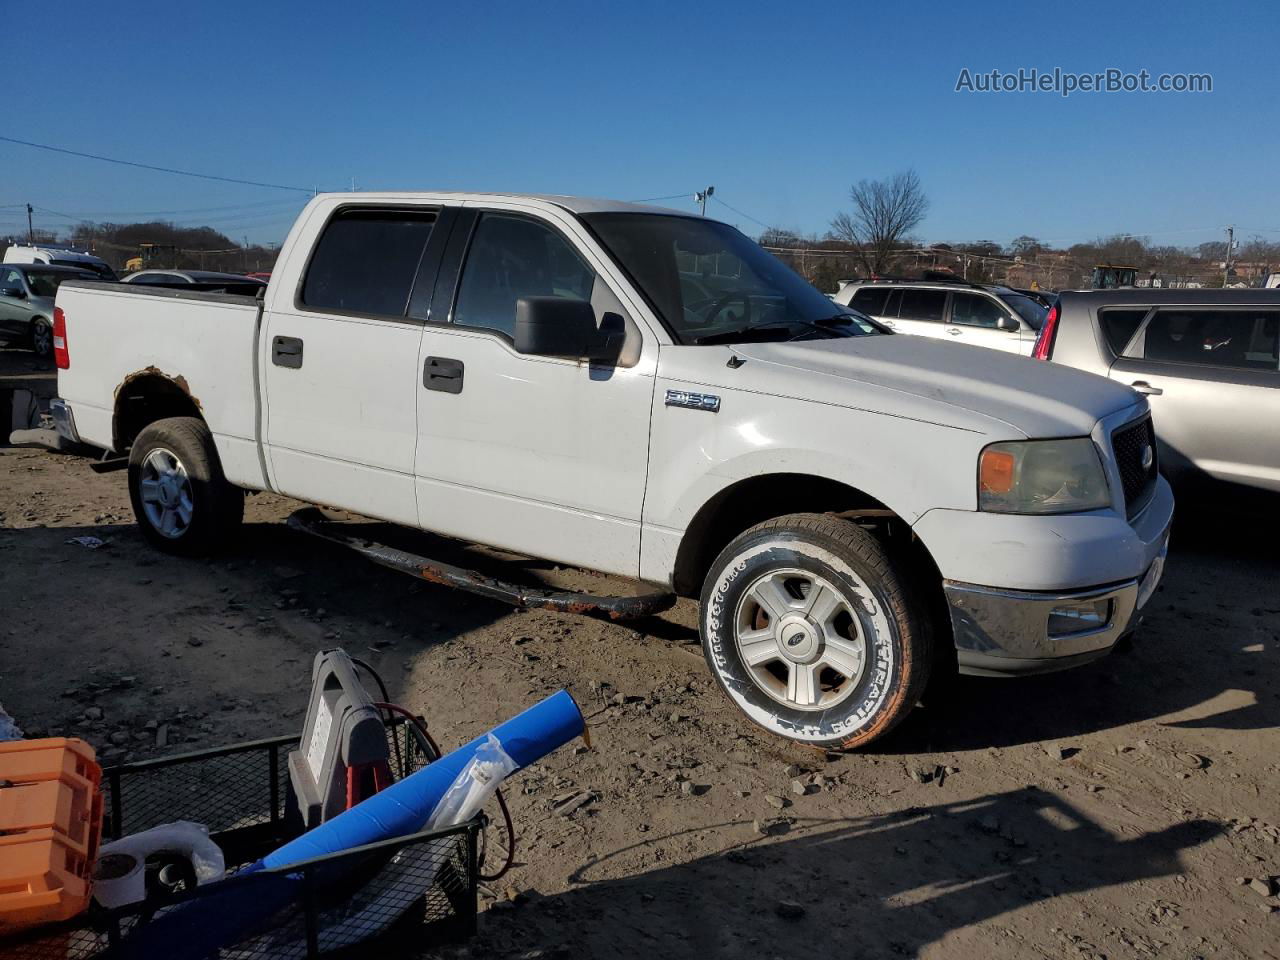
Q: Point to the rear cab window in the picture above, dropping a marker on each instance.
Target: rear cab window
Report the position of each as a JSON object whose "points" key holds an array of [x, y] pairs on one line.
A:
{"points": [[366, 261]]}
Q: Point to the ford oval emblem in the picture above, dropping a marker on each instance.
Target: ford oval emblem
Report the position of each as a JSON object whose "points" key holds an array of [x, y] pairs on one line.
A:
{"points": [[1148, 457]]}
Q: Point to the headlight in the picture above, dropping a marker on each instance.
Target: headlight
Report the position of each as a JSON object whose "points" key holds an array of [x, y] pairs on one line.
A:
{"points": [[1042, 476]]}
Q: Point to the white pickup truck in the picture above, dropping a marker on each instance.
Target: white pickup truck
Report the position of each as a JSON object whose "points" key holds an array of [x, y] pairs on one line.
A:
{"points": [[649, 394]]}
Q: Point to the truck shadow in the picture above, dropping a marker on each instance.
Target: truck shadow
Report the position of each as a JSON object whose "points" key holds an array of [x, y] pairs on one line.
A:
{"points": [[877, 886]]}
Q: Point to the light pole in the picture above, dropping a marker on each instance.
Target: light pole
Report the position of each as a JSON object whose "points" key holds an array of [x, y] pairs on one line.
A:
{"points": [[700, 198]]}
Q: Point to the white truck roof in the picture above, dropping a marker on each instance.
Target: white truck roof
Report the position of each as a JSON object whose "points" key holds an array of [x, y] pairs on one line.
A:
{"points": [[572, 204]]}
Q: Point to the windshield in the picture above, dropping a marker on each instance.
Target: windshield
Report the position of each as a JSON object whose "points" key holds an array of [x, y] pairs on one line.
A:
{"points": [[711, 284], [1029, 310], [45, 283]]}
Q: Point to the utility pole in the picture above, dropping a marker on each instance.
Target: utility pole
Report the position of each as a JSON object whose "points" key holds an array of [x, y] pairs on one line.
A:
{"points": [[31, 233], [700, 198], [1226, 263]]}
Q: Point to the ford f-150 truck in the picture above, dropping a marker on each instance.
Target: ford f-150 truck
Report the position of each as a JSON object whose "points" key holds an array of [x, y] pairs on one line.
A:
{"points": [[649, 394]]}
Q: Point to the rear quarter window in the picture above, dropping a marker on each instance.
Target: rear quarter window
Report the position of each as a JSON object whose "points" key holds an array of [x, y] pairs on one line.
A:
{"points": [[1119, 325]]}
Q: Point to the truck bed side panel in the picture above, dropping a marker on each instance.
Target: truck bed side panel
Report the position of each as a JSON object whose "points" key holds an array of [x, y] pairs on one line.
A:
{"points": [[203, 343]]}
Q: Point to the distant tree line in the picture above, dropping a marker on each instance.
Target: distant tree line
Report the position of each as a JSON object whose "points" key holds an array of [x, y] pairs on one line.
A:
{"points": [[874, 238], [162, 244]]}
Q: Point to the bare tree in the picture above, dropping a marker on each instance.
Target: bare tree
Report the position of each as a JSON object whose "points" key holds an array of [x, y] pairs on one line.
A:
{"points": [[884, 212]]}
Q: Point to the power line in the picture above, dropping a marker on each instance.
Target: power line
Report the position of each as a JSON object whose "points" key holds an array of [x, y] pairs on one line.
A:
{"points": [[149, 166], [759, 223], [674, 196]]}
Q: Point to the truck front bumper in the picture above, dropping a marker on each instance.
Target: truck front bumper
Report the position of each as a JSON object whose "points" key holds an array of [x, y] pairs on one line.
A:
{"points": [[1011, 632]]}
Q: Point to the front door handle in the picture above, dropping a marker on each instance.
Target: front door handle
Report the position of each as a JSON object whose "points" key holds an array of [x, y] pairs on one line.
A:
{"points": [[1143, 387], [443, 374], [286, 352], [954, 331]]}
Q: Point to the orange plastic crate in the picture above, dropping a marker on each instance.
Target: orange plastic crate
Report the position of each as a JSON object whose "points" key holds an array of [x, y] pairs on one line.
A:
{"points": [[50, 828]]}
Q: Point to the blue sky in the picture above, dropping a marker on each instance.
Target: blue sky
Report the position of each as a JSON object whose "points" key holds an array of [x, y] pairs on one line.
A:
{"points": [[781, 106]]}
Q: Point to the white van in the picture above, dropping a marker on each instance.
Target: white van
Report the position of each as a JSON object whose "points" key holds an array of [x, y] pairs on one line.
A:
{"points": [[58, 254]]}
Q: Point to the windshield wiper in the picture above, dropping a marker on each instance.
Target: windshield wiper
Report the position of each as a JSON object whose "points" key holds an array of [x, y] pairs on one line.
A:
{"points": [[826, 325]]}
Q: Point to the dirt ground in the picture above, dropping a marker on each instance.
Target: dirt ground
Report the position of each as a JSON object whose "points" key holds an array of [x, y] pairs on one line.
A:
{"points": [[1119, 810]]}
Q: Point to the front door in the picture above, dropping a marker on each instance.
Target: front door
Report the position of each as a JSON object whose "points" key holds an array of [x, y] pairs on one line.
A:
{"points": [[1212, 375], [975, 319], [538, 455], [340, 364]]}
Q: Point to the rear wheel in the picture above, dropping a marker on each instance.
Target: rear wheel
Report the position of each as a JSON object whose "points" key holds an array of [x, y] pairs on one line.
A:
{"points": [[811, 631], [182, 501], [42, 338]]}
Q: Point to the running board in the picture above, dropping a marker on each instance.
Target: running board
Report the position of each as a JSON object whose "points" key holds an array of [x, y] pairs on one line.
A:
{"points": [[312, 521]]}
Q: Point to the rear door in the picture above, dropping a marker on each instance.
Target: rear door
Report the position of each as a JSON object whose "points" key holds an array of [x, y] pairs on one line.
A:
{"points": [[919, 311], [975, 319], [1212, 375], [340, 361], [539, 455], [872, 301]]}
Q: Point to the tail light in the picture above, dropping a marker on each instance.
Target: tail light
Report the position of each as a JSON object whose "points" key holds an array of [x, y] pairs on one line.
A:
{"points": [[61, 356], [1048, 332]]}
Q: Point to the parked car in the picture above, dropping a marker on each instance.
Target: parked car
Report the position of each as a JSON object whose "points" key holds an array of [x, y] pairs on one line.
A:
{"points": [[978, 314], [58, 255], [1043, 297], [648, 394], [26, 302], [1208, 359], [210, 280]]}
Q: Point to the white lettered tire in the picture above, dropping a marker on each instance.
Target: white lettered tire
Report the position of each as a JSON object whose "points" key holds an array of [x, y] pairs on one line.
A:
{"points": [[811, 631]]}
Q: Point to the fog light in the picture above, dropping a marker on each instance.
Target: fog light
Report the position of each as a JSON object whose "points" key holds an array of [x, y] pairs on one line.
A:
{"points": [[1079, 616]]}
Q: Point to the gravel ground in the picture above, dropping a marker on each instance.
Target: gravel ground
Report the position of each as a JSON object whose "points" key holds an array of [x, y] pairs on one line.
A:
{"points": [[1125, 809]]}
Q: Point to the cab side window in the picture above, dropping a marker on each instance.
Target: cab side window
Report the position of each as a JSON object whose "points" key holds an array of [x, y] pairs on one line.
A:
{"points": [[365, 262], [11, 280], [512, 257], [973, 310]]}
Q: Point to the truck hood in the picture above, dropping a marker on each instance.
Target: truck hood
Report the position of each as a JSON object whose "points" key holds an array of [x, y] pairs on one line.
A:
{"points": [[947, 383]]}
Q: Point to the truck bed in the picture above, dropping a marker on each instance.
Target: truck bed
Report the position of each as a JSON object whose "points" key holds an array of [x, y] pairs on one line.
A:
{"points": [[204, 343]]}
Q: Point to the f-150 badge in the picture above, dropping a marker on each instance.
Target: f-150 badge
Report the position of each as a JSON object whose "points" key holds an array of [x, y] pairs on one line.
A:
{"points": [[693, 401]]}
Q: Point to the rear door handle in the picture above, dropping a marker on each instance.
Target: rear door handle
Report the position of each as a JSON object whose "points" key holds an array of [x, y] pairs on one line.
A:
{"points": [[1143, 387], [443, 374], [286, 352]]}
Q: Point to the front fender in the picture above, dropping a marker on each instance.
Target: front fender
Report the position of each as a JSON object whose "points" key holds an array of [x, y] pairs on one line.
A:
{"points": [[911, 466]]}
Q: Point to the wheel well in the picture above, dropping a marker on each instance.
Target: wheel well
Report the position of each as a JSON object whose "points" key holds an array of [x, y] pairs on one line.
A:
{"points": [[754, 500], [146, 397], [748, 502]]}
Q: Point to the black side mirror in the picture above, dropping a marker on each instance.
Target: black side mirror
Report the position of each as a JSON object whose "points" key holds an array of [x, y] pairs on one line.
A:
{"points": [[560, 327], [1008, 324], [16, 292]]}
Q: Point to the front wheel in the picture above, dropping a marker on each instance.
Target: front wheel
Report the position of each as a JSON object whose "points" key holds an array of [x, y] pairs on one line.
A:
{"points": [[182, 502], [810, 630]]}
